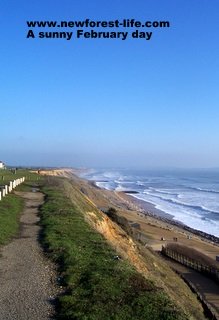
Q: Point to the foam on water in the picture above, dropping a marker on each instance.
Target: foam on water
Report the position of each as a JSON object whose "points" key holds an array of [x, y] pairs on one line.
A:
{"points": [[191, 197]]}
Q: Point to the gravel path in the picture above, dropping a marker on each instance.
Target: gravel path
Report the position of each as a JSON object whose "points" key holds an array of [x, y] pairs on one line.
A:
{"points": [[27, 278]]}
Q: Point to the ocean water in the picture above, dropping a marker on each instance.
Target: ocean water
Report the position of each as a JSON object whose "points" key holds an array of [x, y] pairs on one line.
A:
{"points": [[189, 196]]}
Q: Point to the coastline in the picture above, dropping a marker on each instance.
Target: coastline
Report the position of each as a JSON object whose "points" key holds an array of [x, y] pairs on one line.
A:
{"points": [[146, 206], [129, 205], [146, 231], [149, 209]]}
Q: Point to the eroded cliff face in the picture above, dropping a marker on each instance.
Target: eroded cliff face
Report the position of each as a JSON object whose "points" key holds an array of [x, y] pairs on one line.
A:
{"points": [[149, 265], [56, 172], [118, 239]]}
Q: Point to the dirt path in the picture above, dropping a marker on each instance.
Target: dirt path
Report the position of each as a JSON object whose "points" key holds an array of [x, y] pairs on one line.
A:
{"points": [[26, 276]]}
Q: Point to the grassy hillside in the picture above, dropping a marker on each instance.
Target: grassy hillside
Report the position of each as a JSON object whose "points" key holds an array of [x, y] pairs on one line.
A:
{"points": [[98, 285]]}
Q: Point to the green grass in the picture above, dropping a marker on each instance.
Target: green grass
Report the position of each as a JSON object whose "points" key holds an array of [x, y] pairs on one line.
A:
{"points": [[30, 184], [30, 178], [10, 209], [9, 175], [11, 206], [98, 287]]}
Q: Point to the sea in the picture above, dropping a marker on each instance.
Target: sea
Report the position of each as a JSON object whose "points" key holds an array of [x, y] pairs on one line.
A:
{"points": [[188, 196]]}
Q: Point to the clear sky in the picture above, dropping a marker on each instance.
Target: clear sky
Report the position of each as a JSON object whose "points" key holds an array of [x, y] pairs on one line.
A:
{"points": [[109, 102]]}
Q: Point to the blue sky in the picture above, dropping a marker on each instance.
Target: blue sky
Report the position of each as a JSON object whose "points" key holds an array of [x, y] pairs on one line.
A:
{"points": [[111, 102]]}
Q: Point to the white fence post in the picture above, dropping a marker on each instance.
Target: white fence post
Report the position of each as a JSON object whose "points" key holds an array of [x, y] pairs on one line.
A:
{"points": [[8, 188]]}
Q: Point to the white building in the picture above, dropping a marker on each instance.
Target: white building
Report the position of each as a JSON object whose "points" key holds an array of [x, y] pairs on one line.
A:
{"points": [[2, 165]]}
